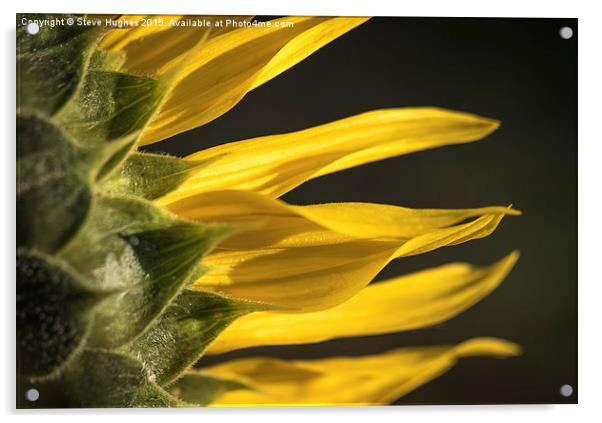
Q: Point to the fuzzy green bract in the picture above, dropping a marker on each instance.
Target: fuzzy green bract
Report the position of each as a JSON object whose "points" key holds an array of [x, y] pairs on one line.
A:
{"points": [[104, 315]]}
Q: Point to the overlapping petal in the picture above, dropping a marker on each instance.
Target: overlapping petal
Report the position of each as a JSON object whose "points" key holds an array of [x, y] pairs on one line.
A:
{"points": [[308, 258], [273, 165], [161, 42], [404, 303], [367, 380], [120, 38], [218, 75]]}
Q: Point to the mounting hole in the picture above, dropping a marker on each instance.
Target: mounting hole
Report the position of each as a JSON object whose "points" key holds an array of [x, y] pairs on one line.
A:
{"points": [[566, 390], [33, 28], [566, 32], [32, 394]]}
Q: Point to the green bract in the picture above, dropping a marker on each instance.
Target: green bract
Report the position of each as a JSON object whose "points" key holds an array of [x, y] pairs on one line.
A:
{"points": [[103, 309]]}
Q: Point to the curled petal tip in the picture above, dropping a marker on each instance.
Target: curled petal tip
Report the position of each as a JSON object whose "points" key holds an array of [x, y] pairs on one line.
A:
{"points": [[490, 346], [513, 212], [495, 123], [491, 124]]}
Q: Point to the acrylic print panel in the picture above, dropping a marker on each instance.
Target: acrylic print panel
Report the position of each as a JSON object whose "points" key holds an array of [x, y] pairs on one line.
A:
{"points": [[265, 211]]}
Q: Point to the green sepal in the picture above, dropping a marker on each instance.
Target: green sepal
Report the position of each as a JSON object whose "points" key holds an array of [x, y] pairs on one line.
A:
{"points": [[181, 335], [131, 245], [110, 105], [54, 181], [53, 191], [100, 378], [150, 176], [54, 313], [51, 63], [200, 388]]}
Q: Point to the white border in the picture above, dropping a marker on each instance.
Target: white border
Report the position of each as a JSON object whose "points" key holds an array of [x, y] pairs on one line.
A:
{"points": [[514, 8], [590, 282]]}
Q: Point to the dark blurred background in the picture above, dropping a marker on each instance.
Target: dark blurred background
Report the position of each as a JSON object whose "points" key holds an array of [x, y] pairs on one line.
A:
{"points": [[517, 70]]}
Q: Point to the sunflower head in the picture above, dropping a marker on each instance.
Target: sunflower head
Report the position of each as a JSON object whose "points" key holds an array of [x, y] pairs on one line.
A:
{"points": [[131, 266]]}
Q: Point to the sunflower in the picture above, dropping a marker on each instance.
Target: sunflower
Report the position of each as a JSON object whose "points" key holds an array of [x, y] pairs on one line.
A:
{"points": [[145, 262]]}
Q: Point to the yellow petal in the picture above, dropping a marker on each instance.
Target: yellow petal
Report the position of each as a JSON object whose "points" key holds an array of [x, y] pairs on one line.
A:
{"points": [[273, 165], [120, 38], [366, 380], [227, 67], [404, 303], [303, 259], [154, 48]]}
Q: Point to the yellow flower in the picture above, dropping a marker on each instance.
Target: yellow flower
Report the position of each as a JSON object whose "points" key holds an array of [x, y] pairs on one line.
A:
{"points": [[311, 265]]}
